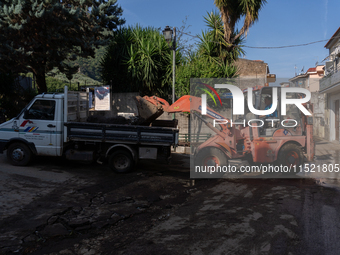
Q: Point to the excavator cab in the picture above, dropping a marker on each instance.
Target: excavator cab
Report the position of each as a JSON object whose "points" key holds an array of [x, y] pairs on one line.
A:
{"points": [[276, 124]]}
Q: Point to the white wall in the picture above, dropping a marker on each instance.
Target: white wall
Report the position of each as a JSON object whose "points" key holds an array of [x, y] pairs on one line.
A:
{"points": [[331, 105]]}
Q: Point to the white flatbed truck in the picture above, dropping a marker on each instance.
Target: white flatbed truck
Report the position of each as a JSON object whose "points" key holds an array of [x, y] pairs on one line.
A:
{"points": [[55, 125]]}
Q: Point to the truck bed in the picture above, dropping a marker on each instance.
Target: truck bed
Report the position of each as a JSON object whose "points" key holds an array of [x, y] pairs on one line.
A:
{"points": [[117, 133]]}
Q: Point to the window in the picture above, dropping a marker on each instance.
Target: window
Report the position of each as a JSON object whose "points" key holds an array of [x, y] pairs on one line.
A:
{"points": [[41, 110]]}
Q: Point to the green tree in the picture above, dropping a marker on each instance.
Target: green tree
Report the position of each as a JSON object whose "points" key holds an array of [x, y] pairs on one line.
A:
{"points": [[13, 97], [232, 11], [197, 66], [139, 59], [91, 67], [38, 35], [212, 57]]}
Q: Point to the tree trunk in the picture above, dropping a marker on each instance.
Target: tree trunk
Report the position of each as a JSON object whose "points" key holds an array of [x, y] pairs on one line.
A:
{"points": [[225, 19], [41, 82]]}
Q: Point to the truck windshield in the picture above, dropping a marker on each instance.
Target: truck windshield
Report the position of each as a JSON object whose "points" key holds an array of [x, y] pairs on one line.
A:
{"points": [[25, 108], [41, 109]]}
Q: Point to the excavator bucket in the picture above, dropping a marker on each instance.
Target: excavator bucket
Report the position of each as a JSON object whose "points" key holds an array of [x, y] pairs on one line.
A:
{"points": [[149, 109]]}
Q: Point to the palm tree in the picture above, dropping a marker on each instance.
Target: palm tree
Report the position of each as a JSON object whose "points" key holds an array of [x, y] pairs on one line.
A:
{"points": [[213, 45], [232, 11]]}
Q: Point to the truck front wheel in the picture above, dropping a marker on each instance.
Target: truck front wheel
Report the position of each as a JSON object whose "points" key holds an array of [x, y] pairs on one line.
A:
{"points": [[121, 161], [19, 154]]}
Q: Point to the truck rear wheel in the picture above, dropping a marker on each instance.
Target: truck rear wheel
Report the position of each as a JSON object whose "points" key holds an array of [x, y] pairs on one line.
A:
{"points": [[208, 159], [121, 161], [19, 154]]}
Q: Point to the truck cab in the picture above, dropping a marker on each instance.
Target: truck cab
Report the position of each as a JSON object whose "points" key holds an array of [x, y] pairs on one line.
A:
{"points": [[36, 130]]}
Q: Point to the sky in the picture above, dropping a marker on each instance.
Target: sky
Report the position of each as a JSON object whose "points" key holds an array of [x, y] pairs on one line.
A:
{"points": [[280, 23]]}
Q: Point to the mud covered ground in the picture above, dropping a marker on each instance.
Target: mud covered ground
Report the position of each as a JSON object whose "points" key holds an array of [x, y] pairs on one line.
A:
{"points": [[57, 207]]}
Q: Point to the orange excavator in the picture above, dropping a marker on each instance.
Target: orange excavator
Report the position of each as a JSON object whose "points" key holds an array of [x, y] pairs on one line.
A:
{"points": [[276, 142]]}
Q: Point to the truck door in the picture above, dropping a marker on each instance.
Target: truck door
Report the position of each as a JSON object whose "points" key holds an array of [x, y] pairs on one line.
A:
{"points": [[38, 125]]}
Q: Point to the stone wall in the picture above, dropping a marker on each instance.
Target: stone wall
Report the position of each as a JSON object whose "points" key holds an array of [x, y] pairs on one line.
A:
{"points": [[248, 67], [251, 73]]}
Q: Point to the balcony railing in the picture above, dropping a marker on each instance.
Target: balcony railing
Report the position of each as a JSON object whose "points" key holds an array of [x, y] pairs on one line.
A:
{"points": [[330, 80]]}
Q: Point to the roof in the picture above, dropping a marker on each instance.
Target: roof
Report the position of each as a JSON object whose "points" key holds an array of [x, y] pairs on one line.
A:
{"points": [[311, 70], [304, 75], [332, 38]]}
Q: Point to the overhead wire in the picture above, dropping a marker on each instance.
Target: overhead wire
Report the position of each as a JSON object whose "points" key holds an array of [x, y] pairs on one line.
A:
{"points": [[266, 47]]}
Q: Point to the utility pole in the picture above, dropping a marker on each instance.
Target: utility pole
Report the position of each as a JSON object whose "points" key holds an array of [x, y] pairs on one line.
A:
{"points": [[170, 36], [174, 66]]}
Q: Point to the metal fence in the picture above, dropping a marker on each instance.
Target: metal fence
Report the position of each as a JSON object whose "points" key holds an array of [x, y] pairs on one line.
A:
{"points": [[193, 138]]}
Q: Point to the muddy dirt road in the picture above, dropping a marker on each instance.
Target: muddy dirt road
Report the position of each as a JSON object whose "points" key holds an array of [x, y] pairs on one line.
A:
{"points": [[56, 207]]}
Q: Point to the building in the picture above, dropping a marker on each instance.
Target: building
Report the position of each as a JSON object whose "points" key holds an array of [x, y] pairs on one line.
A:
{"points": [[253, 72], [330, 87], [308, 80], [333, 60]]}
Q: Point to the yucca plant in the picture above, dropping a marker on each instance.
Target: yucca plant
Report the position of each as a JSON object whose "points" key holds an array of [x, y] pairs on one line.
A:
{"points": [[140, 60]]}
